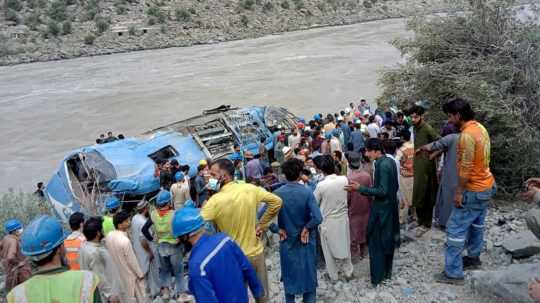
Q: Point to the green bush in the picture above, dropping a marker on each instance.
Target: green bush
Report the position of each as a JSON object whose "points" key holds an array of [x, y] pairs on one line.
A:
{"points": [[66, 28], [299, 4], [192, 11], [247, 4], [11, 15], [163, 28], [121, 9], [102, 24], [92, 10], [132, 31], [268, 7], [157, 13], [89, 39], [23, 206], [244, 19], [15, 5], [53, 28], [57, 10], [489, 57], [152, 21], [33, 20], [182, 15], [285, 4], [367, 4]]}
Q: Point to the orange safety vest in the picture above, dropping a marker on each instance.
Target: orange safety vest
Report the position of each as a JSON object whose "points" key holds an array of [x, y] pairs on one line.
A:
{"points": [[73, 247]]}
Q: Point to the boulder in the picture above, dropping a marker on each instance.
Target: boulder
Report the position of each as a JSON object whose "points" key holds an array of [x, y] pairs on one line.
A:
{"points": [[506, 285], [522, 245]]}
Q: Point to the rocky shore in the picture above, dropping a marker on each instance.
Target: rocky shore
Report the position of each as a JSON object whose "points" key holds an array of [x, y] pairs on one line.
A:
{"points": [[75, 28]]}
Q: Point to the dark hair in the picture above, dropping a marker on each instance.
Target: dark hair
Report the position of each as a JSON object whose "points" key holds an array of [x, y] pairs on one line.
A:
{"points": [[338, 154], [75, 220], [121, 136], [388, 115], [385, 135], [389, 147], [184, 168], [98, 141], [109, 133], [405, 134], [342, 113], [371, 119], [200, 167], [399, 114], [363, 100], [388, 122], [417, 109], [40, 184], [120, 218], [102, 136], [48, 258], [292, 168], [374, 144], [459, 106], [268, 170], [226, 165], [262, 139], [306, 172], [91, 227], [326, 164]]}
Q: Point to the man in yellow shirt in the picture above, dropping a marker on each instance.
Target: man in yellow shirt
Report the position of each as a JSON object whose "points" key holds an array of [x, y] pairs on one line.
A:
{"points": [[233, 208]]}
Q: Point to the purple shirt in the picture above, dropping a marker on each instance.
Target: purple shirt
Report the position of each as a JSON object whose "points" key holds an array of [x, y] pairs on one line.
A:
{"points": [[254, 169]]}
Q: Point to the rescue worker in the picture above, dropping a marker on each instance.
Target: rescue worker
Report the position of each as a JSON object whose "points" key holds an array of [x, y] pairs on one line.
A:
{"points": [[43, 242], [75, 240], [112, 205], [169, 252], [218, 269], [15, 264]]}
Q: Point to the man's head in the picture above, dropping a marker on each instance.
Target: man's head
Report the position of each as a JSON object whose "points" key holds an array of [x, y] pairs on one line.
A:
{"points": [[40, 185], [389, 147], [42, 242], [175, 164], [374, 149], [236, 147], [459, 111], [371, 119], [222, 170], [388, 125], [400, 117], [121, 220], [102, 136], [417, 114], [109, 134], [405, 135], [325, 163], [292, 169], [121, 136], [13, 226], [76, 221], [354, 160], [92, 229]]}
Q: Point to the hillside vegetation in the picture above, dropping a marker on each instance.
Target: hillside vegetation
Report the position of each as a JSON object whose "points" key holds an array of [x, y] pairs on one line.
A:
{"points": [[56, 29]]}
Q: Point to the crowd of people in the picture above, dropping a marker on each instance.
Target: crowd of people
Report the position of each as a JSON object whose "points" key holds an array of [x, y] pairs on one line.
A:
{"points": [[109, 138], [341, 186]]}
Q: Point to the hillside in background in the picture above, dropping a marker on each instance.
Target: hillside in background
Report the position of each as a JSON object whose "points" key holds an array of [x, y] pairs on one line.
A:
{"points": [[41, 30]]}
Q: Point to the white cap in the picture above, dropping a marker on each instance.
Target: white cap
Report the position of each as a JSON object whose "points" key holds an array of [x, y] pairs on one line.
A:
{"points": [[366, 113], [286, 149], [340, 118], [347, 110], [357, 121], [279, 126]]}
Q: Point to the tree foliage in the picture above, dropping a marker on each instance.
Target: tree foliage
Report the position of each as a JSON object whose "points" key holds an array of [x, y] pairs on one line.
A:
{"points": [[490, 57]]}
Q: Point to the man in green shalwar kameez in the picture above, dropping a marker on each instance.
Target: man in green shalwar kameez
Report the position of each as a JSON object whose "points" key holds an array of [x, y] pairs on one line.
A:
{"points": [[383, 224], [425, 172]]}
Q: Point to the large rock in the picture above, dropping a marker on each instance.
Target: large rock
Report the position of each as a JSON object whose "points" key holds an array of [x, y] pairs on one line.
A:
{"points": [[506, 285], [522, 245]]}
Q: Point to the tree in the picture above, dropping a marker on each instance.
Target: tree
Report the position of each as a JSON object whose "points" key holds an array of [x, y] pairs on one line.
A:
{"points": [[182, 15], [66, 28], [52, 28], [57, 10], [102, 24], [489, 57], [89, 39]]}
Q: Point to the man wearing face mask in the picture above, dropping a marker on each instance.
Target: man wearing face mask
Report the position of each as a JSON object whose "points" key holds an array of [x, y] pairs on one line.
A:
{"points": [[43, 242], [15, 265], [233, 208], [218, 269]]}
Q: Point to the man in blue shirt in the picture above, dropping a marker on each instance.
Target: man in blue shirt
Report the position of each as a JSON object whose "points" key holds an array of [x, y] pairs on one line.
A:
{"points": [[218, 269]]}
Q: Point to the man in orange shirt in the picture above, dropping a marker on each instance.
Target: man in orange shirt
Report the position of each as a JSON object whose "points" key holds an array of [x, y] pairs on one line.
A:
{"points": [[475, 188]]}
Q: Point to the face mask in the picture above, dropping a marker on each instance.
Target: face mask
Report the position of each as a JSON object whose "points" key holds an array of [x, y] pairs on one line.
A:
{"points": [[213, 184]]}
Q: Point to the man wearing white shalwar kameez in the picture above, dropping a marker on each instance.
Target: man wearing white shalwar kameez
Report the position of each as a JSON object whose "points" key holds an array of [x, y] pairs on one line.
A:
{"points": [[334, 229], [149, 266], [132, 289]]}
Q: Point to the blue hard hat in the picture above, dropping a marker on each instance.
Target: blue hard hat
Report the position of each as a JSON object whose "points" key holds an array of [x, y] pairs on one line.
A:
{"points": [[112, 203], [41, 236], [328, 135], [179, 176], [163, 197], [186, 220], [236, 156], [12, 225], [189, 203]]}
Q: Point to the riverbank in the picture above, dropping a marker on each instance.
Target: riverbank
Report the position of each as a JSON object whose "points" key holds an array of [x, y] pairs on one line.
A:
{"points": [[177, 23]]}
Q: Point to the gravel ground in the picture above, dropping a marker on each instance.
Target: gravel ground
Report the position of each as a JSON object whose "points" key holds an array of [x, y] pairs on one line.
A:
{"points": [[415, 264]]}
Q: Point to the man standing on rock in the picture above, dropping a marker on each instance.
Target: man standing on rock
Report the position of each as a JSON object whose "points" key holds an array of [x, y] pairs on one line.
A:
{"points": [[475, 188], [425, 172], [383, 226]]}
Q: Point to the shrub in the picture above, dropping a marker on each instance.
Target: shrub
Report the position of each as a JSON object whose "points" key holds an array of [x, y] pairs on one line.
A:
{"points": [[182, 15], [57, 10], [157, 13], [321, 6], [299, 4], [285, 4], [23, 206], [11, 15], [15, 5], [268, 6], [102, 24], [33, 20], [192, 11], [163, 29], [367, 4], [92, 9], [132, 31], [66, 28], [247, 4], [152, 21], [487, 56], [121, 9], [53, 28], [89, 39], [244, 19]]}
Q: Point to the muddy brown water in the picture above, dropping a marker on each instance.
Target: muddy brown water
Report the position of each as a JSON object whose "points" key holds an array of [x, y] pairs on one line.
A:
{"points": [[49, 108]]}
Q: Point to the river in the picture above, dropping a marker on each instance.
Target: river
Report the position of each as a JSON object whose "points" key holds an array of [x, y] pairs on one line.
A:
{"points": [[49, 108]]}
